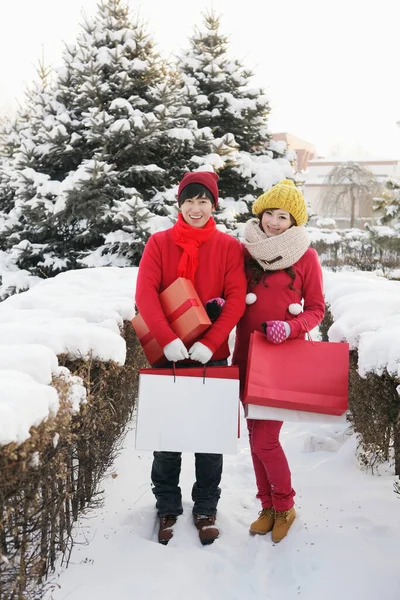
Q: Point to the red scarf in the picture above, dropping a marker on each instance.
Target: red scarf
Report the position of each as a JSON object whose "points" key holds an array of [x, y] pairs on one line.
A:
{"points": [[190, 239]]}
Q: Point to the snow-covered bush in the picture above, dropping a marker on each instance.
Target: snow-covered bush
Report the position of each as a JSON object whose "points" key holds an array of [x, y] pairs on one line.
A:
{"points": [[364, 310], [69, 363], [366, 249]]}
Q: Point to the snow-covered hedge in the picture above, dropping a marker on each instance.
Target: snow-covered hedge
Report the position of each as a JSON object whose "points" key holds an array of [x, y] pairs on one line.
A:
{"points": [[69, 361], [364, 310], [377, 247], [77, 313]]}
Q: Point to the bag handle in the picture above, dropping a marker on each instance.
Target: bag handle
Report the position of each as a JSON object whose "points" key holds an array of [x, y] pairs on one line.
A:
{"points": [[204, 373], [307, 330]]}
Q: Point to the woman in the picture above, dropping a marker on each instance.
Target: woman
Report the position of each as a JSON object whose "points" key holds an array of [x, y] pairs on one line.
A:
{"points": [[282, 273]]}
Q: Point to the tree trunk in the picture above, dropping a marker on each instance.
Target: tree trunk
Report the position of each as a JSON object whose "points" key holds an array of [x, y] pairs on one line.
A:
{"points": [[352, 209]]}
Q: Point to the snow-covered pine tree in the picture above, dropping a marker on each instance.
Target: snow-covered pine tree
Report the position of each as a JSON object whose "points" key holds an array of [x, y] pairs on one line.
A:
{"points": [[386, 235], [29, 182], [131, 102], [17, 144], [115, 116], [388, 205], [96, 220], [221, 98], [6, 190]]}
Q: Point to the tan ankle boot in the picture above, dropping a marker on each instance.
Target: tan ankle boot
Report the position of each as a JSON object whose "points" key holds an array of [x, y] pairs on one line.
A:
{"points": [[283, 522], [264, 523]]}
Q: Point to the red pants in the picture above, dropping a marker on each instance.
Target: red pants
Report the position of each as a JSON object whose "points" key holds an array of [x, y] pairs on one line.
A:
{"points": [[271, 467]]}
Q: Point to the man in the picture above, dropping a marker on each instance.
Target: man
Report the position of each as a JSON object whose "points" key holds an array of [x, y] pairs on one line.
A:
{"points": [[194, 249]]}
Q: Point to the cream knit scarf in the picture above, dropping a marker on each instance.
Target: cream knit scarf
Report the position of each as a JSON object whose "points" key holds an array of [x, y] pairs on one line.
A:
{"points": [[278, 252]]}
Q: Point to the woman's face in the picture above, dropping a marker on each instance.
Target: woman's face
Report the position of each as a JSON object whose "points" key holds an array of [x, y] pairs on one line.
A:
{"points": [[275, 221], [197, 211]]}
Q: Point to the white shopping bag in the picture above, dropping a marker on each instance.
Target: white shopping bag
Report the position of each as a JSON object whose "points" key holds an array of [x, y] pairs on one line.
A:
{"points": [[269, 413], [193, 410]]}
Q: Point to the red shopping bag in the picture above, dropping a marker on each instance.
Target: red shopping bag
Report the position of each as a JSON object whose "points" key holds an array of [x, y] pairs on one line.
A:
{"points": [[298, 374], [193, 409]]}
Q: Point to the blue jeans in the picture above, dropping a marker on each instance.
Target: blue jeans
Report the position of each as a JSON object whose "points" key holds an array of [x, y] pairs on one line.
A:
{"points": [[166, 470]]}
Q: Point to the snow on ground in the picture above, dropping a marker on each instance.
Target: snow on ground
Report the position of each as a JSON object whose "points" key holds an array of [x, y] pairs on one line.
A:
{"points": [[344, 543], [342, 546]]}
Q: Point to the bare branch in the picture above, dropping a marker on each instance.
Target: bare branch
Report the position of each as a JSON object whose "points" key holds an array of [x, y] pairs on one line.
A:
{"points": [[349, 185]]}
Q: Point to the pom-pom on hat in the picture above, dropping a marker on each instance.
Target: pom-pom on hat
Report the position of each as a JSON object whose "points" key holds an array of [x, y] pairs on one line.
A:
{"points": [[284, 195], [207, 178]]}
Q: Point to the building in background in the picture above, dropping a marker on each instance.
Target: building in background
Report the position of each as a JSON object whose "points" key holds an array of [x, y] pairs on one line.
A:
{"points": [[315, 188], [304, 150]]}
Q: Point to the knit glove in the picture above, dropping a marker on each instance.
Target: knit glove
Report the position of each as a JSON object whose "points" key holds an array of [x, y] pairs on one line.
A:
{"points": [[175, 351], [200, 353], [276, 331], [214, 308]]}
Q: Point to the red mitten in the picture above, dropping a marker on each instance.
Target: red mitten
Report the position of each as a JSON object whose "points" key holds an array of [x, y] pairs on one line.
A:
{"points": [[276, 331]]}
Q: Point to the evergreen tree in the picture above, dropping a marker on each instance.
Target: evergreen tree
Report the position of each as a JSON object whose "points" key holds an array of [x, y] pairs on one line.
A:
{"points": [[129, 102], [111, 132], [97, 221], [221, 98], [218, 88], [386, 235], [388, 205], [6, 191], [17, 137]]}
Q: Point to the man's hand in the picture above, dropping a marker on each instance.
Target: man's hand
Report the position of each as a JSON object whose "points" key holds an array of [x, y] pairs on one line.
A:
{"points": [[175, 351], [200, 353]]}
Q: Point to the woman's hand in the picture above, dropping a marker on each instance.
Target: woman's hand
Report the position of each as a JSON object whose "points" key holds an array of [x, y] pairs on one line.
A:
{"points": [[214, 307], [276, 331]]}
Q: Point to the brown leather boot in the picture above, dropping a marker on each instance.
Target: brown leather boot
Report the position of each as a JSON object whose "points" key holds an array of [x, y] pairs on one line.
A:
{"points": [[283, 522], [208, 531], [264, 523], [166, 531]]}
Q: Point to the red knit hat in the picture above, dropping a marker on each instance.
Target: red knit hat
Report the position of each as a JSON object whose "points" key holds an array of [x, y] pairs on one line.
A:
{"points": [[206, 178]]}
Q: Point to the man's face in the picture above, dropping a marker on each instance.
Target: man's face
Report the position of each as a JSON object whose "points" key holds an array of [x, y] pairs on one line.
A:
{"points": [[197, 211]]}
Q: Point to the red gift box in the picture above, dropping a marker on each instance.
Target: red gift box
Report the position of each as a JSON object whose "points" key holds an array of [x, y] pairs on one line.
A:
{"points": [[151, 347], [186, 314], [298, 375]]}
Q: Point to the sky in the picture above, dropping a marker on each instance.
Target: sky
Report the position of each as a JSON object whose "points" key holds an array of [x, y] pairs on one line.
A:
{"points": [[329, 68]]}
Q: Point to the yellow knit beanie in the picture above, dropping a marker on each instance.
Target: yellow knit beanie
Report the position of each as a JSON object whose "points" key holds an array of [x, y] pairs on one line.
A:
{"points": [[284, 195]]}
